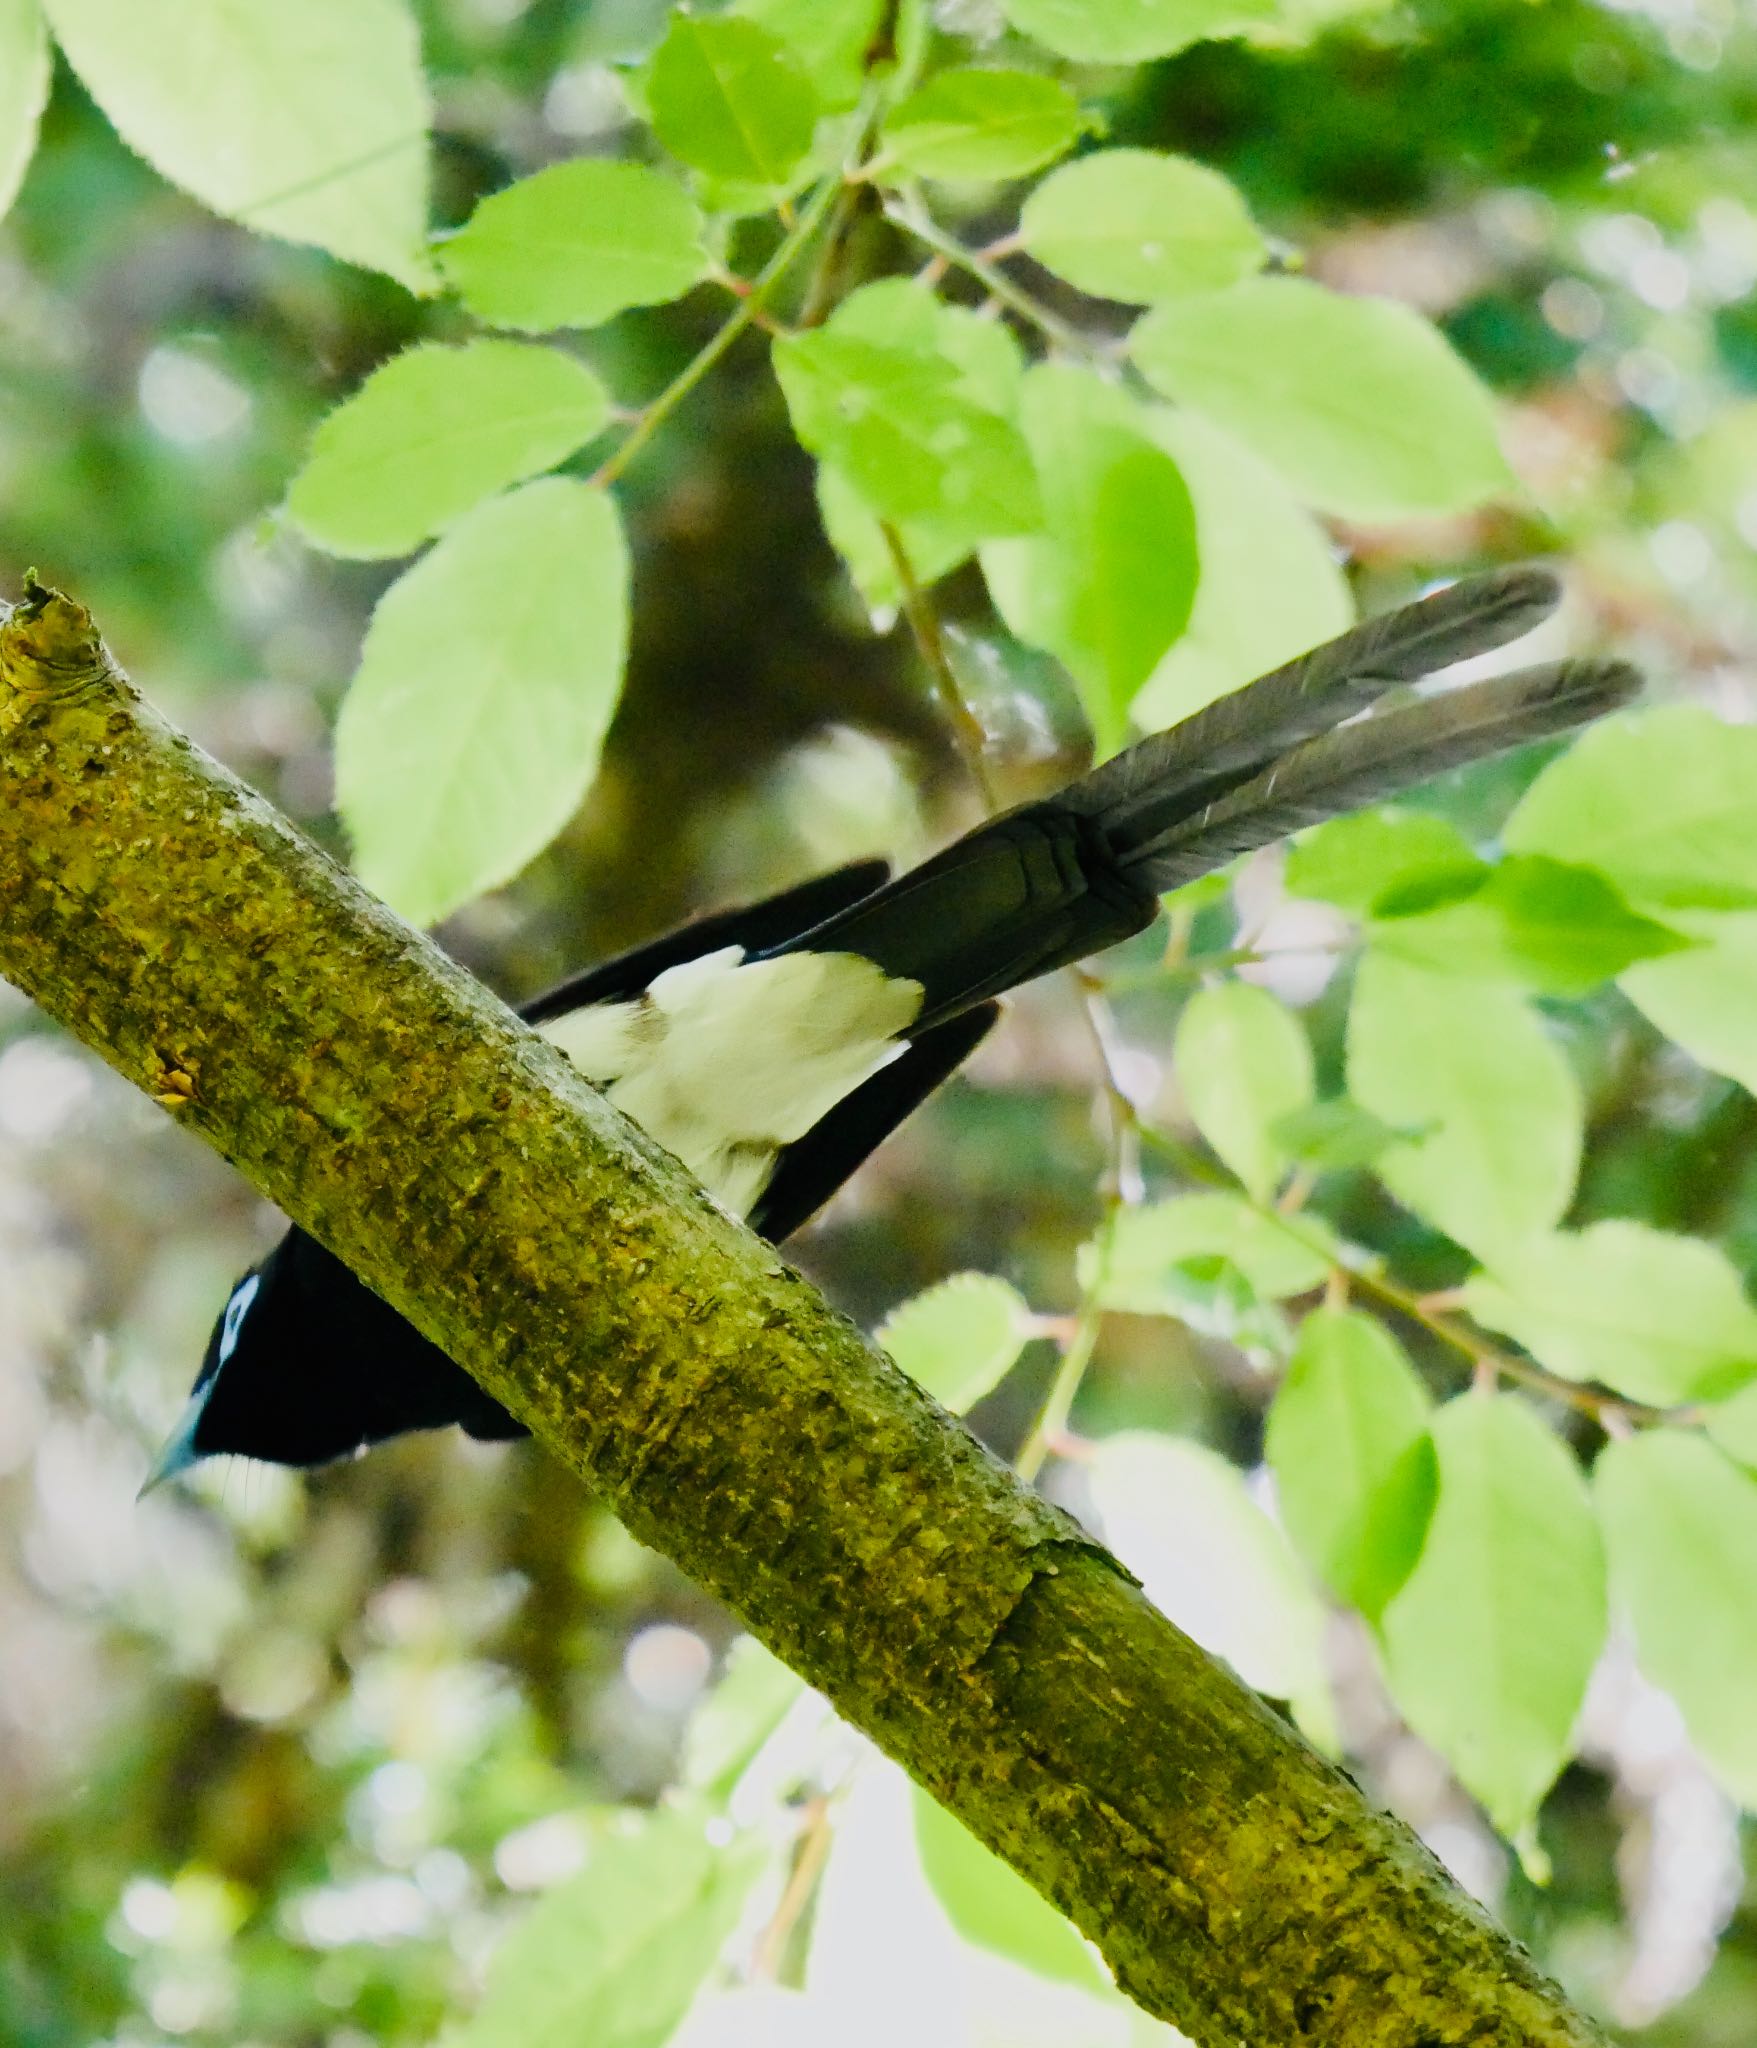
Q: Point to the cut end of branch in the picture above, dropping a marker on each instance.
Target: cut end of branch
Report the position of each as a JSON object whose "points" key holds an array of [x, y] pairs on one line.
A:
{"points": [[50, 649]]}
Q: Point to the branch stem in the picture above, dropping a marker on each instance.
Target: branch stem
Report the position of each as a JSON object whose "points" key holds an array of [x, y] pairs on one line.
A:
{"points": [[751, 309], [1235, 1880]]}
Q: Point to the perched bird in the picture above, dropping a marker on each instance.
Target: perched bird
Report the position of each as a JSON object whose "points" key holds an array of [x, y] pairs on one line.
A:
{"points": [[771, 1048]]}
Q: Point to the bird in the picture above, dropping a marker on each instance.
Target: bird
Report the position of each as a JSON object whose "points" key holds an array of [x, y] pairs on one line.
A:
{"points": [[774, 1046]]}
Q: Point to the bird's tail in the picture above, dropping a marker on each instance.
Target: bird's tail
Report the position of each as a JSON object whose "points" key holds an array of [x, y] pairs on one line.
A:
{"points": [[1055, 880]]}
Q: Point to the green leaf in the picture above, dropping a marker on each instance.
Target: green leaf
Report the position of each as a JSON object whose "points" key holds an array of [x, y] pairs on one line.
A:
{"points": [[1658, 1317], [1681, 1526], [737, 1718], [306, 121], [1137, 225], [433, 432], [1374, 857], [958, 1340], [989, 364], [1336, 1135], [1733, 1425], [972, 126], [828, 39], [1660, 801], [1109, 33], [1490, 1643], [727, 97], [1705, 999], [1243, 1060], [899, 313], [1470, 1065], [1560, 930], [897, 423], [1110, 585], [991, 1905], [1156, 1251], [1179, 1516], [24, 88], [1360, 404], [1354, 1466], [575, 245], [616, 1955], [934, 546], [485, 687], [1268, 587]]}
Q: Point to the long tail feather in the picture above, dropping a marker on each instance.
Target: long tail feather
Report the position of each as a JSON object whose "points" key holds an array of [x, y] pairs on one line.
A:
{"points": [[1076, 872], [1203, 756], [1383, 756]]}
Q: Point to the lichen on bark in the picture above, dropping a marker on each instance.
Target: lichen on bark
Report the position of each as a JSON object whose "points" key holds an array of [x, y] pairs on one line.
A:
{"points": [[1237, 1883]]}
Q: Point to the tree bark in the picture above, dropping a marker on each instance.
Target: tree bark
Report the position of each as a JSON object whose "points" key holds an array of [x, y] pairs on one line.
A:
{"points": [[1237, 1883]]}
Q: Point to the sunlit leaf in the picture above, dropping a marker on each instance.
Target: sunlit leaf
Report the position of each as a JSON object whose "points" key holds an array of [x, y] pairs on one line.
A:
{"points": [[989, 364], [1359, 403], [1658, 1317], [934, 546], [727, 97], [1180, 1517], [1557, 929], [1733, 1425], [485, 687], [1680, 1523], [1490, 1642], [1244, 1061], [615, 1955], [991, 1905], [1110, 584], [1470, 1065], [1705, 999], [958, 1340], [24, 86], [1268, 585], [576, 244], [1155, 1253], [1335, 1135], [971, 125], [1660, 801], [1129, 31], [1353, 1463], [1359, 862], [897, 424], [744, 1709], [1137, 225], [828, 39], [306, 121], [433, 432]]}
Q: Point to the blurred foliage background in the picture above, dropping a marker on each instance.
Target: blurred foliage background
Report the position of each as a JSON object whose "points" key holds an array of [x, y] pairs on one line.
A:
{"points": [[278, 1760]]}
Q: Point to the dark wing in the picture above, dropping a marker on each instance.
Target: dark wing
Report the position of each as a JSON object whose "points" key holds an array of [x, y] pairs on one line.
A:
{"points": [[812, 1168], [757, 927]]}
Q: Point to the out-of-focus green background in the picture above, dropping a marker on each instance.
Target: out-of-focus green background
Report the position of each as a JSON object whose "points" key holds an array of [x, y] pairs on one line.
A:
{"points": [[275, 1758]]}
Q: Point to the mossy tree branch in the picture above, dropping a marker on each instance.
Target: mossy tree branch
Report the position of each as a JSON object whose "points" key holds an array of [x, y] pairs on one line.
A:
{"points": [[1238, 1884]]}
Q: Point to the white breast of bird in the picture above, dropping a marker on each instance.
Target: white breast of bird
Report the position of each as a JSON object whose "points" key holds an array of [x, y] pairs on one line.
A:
{"points": [[727, 1061]]}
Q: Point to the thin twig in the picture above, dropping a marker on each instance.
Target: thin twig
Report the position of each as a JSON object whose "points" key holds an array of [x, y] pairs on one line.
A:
{"points": [[1049, 1431], [995, 281], [749, 309], [1463, 1341], [930, 643], [815, 1837]]}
